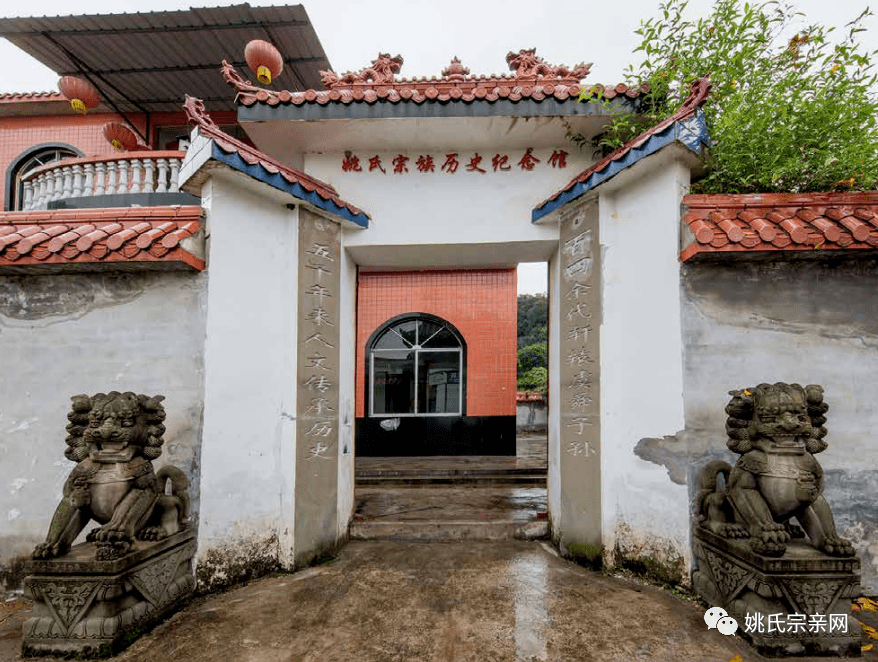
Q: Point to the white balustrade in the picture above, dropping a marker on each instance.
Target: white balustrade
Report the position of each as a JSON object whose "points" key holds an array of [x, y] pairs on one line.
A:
{"points": [[77, 181], [67, 176], [100, 177], [28, 194], [127, 174], [149, 177], [111, 177], [58, 187], [162, 184], [136, 173]]}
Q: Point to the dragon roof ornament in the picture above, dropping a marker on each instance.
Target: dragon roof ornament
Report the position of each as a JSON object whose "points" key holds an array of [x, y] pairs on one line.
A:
{"points": [[531, 78], [528, 67]]}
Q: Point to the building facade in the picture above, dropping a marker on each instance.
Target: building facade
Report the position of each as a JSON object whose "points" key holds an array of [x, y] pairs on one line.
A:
{"points": [[346, 284]]}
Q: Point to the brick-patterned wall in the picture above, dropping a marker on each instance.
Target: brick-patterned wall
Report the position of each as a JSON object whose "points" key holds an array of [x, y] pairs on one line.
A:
{"points": [[481, 304], [19, 134]]}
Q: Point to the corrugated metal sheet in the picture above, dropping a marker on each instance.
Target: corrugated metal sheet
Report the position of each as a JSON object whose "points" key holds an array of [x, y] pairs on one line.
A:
{"points": [[148, 61]]}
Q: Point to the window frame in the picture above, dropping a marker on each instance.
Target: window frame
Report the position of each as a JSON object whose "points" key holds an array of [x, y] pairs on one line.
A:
{"points": [[370, 363], [12, 195]]}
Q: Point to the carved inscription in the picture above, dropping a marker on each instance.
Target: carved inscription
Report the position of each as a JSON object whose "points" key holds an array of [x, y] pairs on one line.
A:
{"points": [[452, 162], [317, 395], [579, 344], [318, 324]]}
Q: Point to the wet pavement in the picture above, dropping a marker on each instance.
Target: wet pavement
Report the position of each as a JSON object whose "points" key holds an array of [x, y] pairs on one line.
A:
{"points": [[448, 513], [483, 597], [456, 602], [531, 454], [513, 601]]}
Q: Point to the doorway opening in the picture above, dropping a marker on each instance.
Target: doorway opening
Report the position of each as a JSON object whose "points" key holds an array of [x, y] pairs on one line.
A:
{"points": [[447, 444]]}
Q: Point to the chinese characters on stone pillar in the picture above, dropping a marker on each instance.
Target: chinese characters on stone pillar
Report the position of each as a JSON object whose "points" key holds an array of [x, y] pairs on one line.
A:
{"points": [[317, 420], [579, 324]]}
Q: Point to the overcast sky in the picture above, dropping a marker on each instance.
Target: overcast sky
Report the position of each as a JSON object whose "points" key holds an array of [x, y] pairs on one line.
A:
{"points": [[428, 33]]}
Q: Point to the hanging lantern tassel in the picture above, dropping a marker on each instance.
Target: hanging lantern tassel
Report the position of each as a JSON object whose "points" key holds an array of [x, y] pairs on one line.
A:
{"points": [[264, 59], [82, 95], [120, 137]]}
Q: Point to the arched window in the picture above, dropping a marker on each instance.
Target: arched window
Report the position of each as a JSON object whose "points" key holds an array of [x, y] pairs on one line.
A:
{"points": [[415, 366], [37, 156]]}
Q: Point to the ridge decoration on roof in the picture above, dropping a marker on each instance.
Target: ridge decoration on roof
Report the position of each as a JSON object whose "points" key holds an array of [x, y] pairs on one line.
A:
{"points": [[815, 222], [67, 239], [26, 97], [687, 126], [249, 160], [533, 78]]}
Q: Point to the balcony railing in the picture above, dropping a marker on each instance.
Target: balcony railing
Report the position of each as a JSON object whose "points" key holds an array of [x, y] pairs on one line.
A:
{"points": [[131, 173]]}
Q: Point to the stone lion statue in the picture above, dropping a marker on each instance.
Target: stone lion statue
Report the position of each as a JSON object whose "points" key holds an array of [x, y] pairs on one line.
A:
{"points": [[777, 429], [113, 438]]}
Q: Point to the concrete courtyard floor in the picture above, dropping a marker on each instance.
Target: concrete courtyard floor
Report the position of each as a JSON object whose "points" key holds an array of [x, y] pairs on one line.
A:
{"points": [[455, 601]]}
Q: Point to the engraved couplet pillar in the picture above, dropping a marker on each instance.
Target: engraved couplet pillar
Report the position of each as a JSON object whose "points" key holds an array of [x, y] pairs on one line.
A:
{"points": [[579, 323], [317, 422]]}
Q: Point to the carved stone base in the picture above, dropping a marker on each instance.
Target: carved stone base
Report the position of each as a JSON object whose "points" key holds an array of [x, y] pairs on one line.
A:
{"points": [[803, 583], [83, 605]]}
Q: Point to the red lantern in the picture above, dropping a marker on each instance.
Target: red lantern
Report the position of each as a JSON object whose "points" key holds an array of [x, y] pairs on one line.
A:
{"points": [[264, 59], [81, 94], [120, 137]]}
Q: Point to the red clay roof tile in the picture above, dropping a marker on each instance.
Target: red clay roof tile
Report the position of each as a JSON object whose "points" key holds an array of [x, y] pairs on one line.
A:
{"points": [[698, 94], [781, 221], [27, 97], [84, 236], [533, 79], [196, 114]]}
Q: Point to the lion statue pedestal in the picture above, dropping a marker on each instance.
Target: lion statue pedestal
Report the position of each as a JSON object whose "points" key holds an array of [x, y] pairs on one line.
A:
{"points": [[788, 585], [137, 565]]}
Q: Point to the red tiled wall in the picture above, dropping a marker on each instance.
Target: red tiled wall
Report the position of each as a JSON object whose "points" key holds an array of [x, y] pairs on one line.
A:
{"points": [[481, 304], [18, 134]]}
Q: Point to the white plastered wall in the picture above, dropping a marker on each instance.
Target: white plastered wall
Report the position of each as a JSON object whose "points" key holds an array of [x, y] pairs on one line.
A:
{"points": [[643, 512], [347, 346], [248, 452], [554, 414], [460, 220]]}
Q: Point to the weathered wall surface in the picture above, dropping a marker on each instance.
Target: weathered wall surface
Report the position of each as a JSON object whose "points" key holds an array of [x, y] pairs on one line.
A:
{"points": [[802, 321], [531, 416], [249, 455], [61, 335], [645, 516], [347, 348]]}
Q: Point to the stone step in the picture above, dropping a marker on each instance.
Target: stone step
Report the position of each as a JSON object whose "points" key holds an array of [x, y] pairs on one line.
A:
{"points": [[450, 512], [451, 477], [447, 530]]}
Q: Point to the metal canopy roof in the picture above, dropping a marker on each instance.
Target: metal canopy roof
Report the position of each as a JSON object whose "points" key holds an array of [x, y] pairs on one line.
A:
{"points": [[146, 62]]}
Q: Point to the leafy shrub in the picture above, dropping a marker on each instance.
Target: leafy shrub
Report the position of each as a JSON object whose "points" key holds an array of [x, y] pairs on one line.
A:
{"points": [[788, 112], [533, 313], [535, 379], [533, 356]]}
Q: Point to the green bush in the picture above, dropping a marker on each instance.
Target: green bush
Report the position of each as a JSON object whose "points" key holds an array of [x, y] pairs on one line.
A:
{"points": [[533, 356], [535, 379], [533, 313], [788, 112]]}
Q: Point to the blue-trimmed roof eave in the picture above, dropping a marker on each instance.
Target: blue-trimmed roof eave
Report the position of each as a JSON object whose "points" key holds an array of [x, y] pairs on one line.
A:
{"points": [[276, 180], [690, 132]]}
